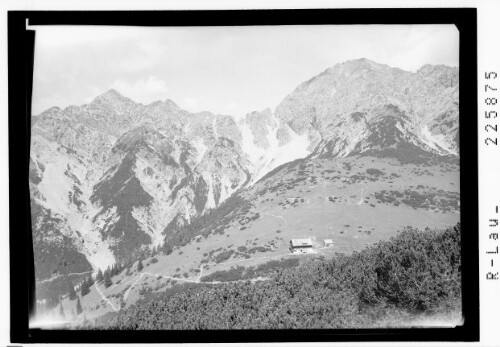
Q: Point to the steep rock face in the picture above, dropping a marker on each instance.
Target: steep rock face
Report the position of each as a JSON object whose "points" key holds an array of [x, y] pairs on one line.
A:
{"points": [[226, 169], [55, 252], [337, 105], [436, 101], [61, 127], [114, 176], [109, 113], [60, 184], [116, 172], [153, 179], [261, 125], [119, 194], [223, 170], [226, 127]]}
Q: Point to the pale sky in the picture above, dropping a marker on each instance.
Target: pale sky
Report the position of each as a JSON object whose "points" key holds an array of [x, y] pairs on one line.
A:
{"points": [[225, 70]]}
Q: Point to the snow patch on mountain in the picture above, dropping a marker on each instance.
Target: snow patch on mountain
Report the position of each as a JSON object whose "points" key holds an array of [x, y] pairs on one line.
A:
{"points": [[276, 155], [265, 160]]}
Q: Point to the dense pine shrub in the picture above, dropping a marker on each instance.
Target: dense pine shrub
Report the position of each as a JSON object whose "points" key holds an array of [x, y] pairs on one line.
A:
{"points": [[416, 273], [245, 273]]}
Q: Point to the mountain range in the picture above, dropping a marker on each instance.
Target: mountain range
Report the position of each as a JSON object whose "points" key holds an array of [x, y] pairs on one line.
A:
{"points": [[112, 179]]}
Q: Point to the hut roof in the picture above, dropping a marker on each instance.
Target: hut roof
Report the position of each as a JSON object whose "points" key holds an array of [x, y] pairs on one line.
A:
{"points": [[301, 243]]}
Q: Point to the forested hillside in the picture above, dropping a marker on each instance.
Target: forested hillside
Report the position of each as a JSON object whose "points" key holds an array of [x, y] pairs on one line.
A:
{"points": [[413, 276]]}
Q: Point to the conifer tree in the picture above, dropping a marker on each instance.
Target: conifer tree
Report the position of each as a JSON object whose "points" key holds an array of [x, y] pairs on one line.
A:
{"points": [[140, 266], [100, 277], [84, 289], [78, 306], [72, 293], [167, 248], [87, 283], [107, 279]]}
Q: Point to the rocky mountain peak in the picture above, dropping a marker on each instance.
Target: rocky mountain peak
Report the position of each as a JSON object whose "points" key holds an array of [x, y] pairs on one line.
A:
{"points": [[362, 63], [111, 94], [357, 68], [54, 110], [165, 105], [112, 98], [331, 104]]}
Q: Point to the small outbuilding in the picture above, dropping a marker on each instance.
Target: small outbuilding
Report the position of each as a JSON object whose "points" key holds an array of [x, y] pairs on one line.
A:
{"points": [[328, 242], [301, 245]]}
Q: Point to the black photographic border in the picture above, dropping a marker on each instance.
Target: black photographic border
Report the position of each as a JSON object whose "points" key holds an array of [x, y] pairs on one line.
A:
{"points": [[20, 77]]}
